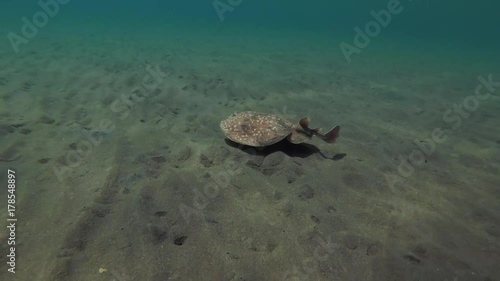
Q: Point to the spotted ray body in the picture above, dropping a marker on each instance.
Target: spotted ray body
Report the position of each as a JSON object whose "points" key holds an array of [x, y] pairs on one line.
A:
{"points": [[261, 129]]}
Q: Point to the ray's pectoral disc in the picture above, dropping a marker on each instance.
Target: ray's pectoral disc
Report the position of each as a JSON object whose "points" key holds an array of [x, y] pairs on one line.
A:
{"points": [[261, 129]]}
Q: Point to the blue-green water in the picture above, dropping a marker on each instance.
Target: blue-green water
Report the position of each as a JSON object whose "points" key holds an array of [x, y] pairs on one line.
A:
{"points": [[464, 23], [110, 122]]}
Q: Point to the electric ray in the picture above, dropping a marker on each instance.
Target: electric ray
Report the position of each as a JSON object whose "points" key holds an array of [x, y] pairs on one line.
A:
{"points": [[261, 129]]}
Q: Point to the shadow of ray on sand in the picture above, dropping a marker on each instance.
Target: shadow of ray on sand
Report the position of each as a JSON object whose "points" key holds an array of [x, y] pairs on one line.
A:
{"points": [[302, 150]]}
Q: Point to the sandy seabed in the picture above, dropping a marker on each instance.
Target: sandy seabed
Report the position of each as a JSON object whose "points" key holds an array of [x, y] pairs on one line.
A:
{"points": [[125, 175]]}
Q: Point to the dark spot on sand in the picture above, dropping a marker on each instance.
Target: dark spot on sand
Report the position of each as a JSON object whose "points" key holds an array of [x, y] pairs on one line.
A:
{"points": [[214, 156], [43, 160], [25, 131], [307, 192], [99, 211], [158, 234], [184, 154], [255, 162], [160, 213], [338, 156], [6, 129], [412, 259], [179, 240], [331, 209], [205, 161], [159, 159], [314, 219]]}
